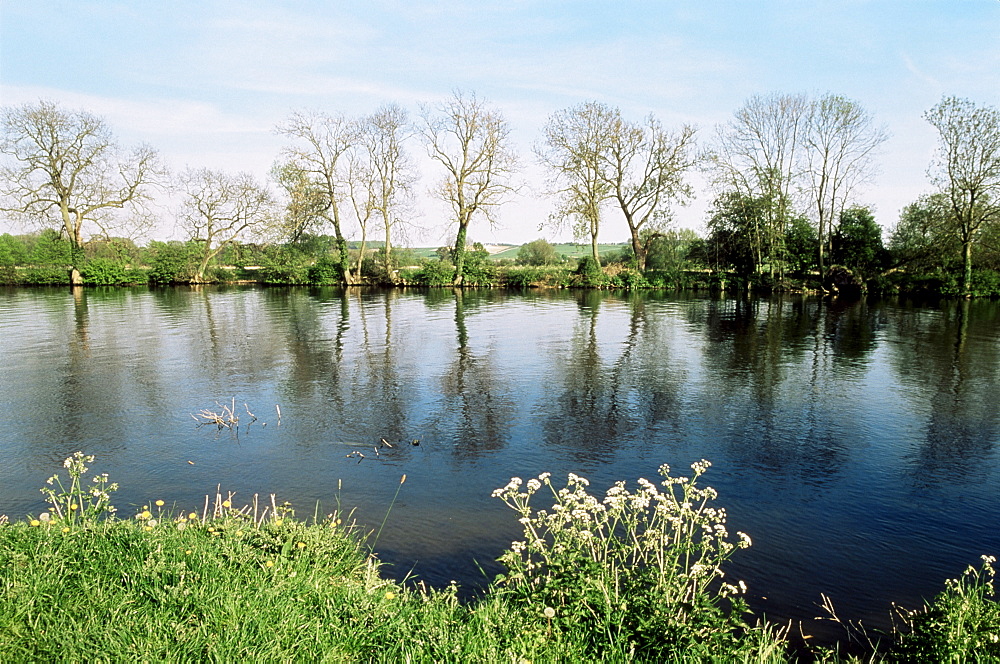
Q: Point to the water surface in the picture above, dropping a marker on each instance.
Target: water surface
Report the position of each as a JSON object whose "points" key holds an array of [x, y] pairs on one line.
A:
{"points": [[856, 442]]}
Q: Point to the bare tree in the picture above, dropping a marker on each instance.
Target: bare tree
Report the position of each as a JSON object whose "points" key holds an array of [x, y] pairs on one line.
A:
{"points": [[644, 167], [756, 154], [66, 167], [841, 140], [472, 142], [967, 170], [321, 143], [220, 208], [573, 141], [361, 183], [389, 173]]}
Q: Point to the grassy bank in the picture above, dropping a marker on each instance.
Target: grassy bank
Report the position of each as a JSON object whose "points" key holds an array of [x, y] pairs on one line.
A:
{"points": [[630, 577]]}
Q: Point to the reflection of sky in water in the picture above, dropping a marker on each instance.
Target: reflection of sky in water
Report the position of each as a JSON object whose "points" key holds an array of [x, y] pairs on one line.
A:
{"points": [[856, 443]]}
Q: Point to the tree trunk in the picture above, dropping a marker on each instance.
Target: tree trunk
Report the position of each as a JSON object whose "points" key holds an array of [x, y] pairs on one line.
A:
{"points": [[388, 253], [638, 249], [343, 259], [967, 267], [463, 229]]}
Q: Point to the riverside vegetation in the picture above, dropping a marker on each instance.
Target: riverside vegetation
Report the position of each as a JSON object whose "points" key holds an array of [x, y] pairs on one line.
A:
{"points": [[675, 260], [634, 576]]}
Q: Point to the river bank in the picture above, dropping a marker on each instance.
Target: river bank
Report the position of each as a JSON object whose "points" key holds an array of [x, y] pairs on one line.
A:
{"points": [[227, 583]]}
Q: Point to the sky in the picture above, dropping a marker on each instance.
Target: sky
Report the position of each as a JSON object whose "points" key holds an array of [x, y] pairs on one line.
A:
{"points": [[205, 82]]}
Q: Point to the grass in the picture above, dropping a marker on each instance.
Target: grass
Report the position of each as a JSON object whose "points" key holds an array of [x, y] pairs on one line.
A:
{"points": [[254, 583]]}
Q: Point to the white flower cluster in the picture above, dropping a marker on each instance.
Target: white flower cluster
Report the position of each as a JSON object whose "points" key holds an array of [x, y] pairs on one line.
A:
{"points": [[670, 529]]}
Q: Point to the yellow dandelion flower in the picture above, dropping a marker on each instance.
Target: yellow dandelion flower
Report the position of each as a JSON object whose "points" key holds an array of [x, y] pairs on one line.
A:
{"points": [[159, 503], [193, 516], [301, 545], [269, 563], [34, 522], [65, 529], [74, 506], [211, 529], [239, 533], [145, 514], [226, 503], [278, 522], [390, 595], [147, 528]]}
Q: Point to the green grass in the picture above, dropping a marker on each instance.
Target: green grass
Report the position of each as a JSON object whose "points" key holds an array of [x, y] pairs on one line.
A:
{"points": [[80, 583]]}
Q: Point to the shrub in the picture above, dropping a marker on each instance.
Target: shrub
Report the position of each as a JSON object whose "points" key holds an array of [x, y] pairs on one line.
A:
{"points": [[961, 624], [637, 569], [104, 272], [283, 273], [45, 276], [171, 262], [323, 272], [433, 273]]}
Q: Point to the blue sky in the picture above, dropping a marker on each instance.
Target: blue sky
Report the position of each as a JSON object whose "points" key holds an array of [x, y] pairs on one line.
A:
{"points": [[206, 82]]}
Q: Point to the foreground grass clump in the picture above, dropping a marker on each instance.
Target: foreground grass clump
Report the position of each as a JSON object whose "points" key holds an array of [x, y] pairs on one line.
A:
{"points": [[961, 624], [633, 577]]}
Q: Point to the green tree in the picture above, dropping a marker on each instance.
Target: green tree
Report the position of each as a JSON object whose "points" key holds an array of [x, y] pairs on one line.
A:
{"points": [[801, 251], [12, 250], [51, 248], [537, 252], [967, 171], [669, 250], [757, 155], [857, 242], [923, 239], [734, 233]]}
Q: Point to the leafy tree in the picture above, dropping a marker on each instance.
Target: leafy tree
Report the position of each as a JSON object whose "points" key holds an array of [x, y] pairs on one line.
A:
{"points": [[51, 248], [923, 239], [801, 251], [12, 250], [967, 171], [172, 262], [734, 233], [472, 143], [537, 252], [669, 250], [857, 242], [66, 167]]}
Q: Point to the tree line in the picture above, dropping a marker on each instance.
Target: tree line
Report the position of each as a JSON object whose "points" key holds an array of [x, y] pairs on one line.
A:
{"points": [[786, 174]]}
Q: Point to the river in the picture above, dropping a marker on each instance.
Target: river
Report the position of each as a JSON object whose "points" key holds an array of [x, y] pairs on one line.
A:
{"points": [[856, 442]]}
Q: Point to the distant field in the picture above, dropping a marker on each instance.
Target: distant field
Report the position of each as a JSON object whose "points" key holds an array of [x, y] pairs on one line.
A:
{"points": [[566, 249]]}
